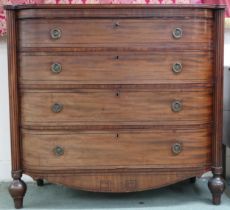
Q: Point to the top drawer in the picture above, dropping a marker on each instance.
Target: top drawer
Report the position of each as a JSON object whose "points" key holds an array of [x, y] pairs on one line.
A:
{"points": [[115, 32]]}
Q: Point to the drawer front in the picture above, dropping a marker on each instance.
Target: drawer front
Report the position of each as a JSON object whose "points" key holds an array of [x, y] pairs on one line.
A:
{"points": [[116, 107], [115, 68], [113, 32], [129, 149]]}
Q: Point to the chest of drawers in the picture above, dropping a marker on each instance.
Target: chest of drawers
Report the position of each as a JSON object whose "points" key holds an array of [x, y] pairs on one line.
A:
{"points": [[115, 98]]}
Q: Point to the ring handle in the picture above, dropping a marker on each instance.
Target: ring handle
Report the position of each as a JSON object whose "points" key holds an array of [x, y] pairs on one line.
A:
{"points": [[176, 106], [55, 33], [56, 68], [57, 107], [177, 33], [176, 148], [177, 68], [58, 151]]}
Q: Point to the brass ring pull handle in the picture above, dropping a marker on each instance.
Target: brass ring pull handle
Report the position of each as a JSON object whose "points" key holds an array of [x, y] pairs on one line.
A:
{"points": [[58, 151], [177, 33], [177, 68], [55, 33], [56, 107], [176, 148], [176, 106], [56, 68]]}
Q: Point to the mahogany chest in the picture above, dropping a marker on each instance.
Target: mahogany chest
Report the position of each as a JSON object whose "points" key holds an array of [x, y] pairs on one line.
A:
{"points": [[115, 98]]}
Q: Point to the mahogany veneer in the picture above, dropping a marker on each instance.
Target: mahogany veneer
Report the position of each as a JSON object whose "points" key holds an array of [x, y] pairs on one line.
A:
{"points": [[115, 98], [124, 67]]}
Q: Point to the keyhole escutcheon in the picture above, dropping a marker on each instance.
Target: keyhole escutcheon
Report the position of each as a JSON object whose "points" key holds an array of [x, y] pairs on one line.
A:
{"points": [[116, 24], [118, 93]]}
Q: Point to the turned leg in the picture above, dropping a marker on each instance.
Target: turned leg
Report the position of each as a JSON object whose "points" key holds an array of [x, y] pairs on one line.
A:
{"points": [[216, 185], [40, 182], [193, 180], [17, 189]]}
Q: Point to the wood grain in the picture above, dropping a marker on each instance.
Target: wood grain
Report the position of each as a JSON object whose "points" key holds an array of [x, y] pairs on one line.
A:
{"points": [[13, 91], [115, 107], [116, 68], [200, 11], [104, 33], [116, 86], [217, 184], [123, 182], [218, 90], [115, 149]]}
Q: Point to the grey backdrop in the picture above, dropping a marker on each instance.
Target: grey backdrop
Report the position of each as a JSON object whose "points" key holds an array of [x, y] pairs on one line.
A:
{"points": [[226, 136]]}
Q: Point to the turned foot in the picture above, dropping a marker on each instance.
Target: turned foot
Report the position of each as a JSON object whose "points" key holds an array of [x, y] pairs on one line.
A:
{"points": [[40, 182], [217, 186], [192, 180], [17, 190]]}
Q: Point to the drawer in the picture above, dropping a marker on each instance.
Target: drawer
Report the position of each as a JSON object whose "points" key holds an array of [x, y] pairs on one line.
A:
{"points": [[86, 107], [116, 149], [114, 32], [116, 68]]}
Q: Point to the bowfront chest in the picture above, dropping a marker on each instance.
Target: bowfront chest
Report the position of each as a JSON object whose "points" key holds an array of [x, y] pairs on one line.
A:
{"points": [[115, 98]]}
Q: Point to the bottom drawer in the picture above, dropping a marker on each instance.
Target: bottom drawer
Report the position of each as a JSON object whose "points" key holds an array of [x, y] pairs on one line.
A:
{"points": [[55, 150]]}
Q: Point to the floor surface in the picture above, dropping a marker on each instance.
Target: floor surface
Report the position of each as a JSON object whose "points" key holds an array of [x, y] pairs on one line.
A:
{"points": [[180, 196]]}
